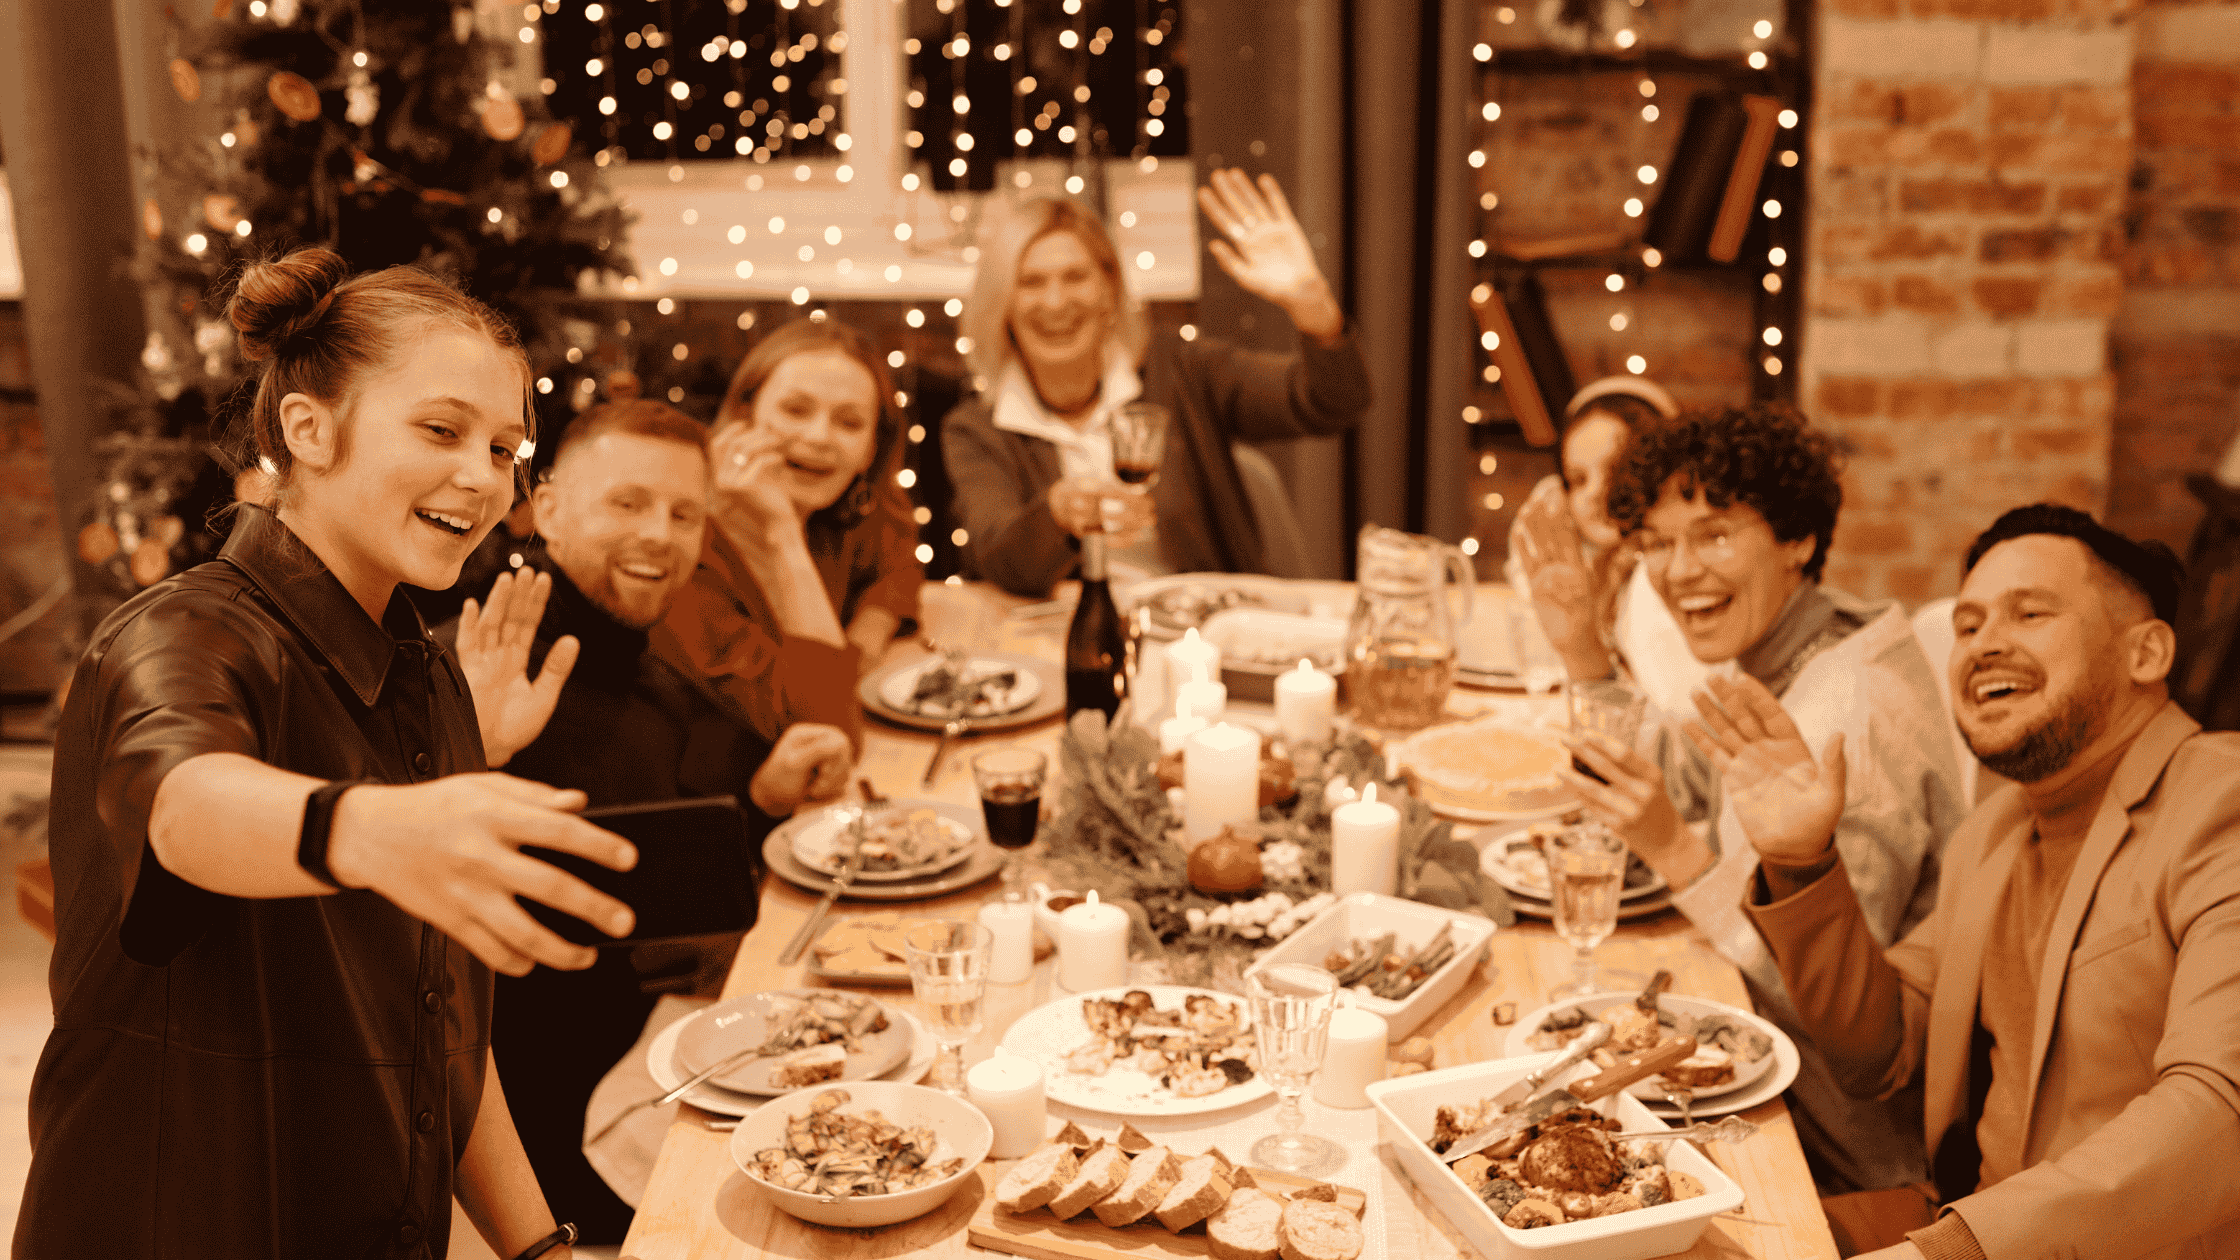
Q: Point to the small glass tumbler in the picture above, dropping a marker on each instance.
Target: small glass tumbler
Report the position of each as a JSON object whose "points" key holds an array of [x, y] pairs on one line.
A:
{"points": [[1291, 1006], [949, 976], [1608, 707], [1010, 782]]}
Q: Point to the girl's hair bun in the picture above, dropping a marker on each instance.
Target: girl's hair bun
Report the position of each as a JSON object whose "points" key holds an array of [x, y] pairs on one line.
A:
{"points": [[284, 298]]}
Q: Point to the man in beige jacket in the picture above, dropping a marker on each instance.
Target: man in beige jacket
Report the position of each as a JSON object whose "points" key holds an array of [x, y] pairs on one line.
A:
{"points": [[2072, 1006]]}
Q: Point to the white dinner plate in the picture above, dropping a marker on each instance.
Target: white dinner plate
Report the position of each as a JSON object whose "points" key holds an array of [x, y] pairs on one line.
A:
{"points": [[740, 1023], [1522, 882], [661, 1062], [1049, 1032], [896, 687], [820, 842], [1744, 1094]]}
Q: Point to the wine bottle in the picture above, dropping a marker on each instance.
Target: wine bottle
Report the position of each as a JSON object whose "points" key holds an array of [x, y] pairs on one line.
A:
{"points": [[1096, 642]]}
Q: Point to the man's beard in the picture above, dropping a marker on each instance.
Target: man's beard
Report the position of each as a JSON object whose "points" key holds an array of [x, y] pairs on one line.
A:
{"points": [[2048, 748]]}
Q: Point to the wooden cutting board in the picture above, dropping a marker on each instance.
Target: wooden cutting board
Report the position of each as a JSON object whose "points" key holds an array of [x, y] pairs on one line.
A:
{"points": [[1044, 1237]]}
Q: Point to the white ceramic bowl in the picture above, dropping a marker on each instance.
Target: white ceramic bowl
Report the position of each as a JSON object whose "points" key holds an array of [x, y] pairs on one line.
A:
{"points": [[958, 1127], [1366, 916], [1405, 1112]]}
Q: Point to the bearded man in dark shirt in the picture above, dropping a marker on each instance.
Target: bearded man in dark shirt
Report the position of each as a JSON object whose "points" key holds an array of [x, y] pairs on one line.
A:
{"points": [[623, 515]]}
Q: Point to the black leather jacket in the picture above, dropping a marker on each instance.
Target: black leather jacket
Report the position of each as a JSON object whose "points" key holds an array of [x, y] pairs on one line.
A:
{"points": [[248, 1078]]}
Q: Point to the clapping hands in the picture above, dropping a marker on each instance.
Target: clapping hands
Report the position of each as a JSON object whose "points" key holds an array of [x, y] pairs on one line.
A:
{"points": [[1787, 802], [493, 650]]}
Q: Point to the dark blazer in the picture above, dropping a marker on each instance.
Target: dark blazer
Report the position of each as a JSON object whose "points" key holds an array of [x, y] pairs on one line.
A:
{"points": [[1220, 394]]}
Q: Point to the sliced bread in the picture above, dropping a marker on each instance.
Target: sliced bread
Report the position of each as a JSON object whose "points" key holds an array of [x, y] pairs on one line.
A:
{"points": [[1313, 1230], [1214, 1153], [1320, 1192], [1100, 1173], [1037, 1179], [1245, 1228], [1132, 1140], [1197, 1194], [1241, 1178], [1072, 1136], [1149, 1177]]}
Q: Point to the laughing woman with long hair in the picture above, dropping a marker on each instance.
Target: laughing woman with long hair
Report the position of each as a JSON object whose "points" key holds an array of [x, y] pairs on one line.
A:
{"points": [[281, 878]]}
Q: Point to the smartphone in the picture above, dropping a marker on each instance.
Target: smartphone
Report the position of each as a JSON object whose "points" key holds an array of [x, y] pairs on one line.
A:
{"points": [[697, 875]]}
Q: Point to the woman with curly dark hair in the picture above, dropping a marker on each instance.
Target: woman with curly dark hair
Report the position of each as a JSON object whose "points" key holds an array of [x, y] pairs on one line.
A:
{"points": [[1732, 510]]}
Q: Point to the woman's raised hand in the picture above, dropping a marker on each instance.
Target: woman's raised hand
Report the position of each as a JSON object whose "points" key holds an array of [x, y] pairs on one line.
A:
{"points": [[1561, 584], [1267, 251], [493, 649], [1788, 802], [448, 853], [749, 500]]}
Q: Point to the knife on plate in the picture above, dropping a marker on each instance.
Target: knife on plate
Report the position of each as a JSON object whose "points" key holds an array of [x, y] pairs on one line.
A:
{"points": [[1625, 1072], [840, 881], [1587, 1042]]}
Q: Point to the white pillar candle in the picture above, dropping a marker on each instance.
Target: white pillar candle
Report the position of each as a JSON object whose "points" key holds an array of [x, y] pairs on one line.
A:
{"points": [[1188, 658], [1149, 689], [1092, 946], [1203, 697], [1355, 1057], [1306, 704], [1220, 780], [1011, 923], [1179, 728], [1007, 1088], [1365, 846]]}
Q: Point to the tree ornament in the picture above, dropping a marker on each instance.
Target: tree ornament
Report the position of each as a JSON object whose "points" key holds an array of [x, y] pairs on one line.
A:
{"points": [[552, 143], [503, 119], [294, 95], [186, 80], [150, 561], [220, 10], [362, 99], [151, 219], [221, 211], [97, 542], [167, 530]]}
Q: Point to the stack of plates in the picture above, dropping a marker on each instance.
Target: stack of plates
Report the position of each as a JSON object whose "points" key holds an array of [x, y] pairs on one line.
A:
{"points": [[806, 849], [903, 1052], [1526, 880]]}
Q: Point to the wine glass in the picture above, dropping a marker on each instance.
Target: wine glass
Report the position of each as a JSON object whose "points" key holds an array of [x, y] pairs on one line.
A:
{"points": [[1291, 1005], [949, 976], [1010, 783], [1586, 869], [1139, 438]]}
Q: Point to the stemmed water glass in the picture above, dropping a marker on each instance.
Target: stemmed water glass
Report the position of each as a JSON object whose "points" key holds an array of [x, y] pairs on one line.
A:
{"points": [[949, 976], [1586, 870], [1291, 1005]]}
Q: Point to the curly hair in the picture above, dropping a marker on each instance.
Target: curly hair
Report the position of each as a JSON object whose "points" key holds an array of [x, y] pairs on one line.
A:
{"points": [[1766, 455]]}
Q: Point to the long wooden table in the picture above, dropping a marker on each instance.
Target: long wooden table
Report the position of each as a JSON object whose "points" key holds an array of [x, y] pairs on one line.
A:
{"points": [[698, 1206]]}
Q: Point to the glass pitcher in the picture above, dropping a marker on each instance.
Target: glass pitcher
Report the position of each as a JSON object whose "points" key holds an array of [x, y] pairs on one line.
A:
{"points": [[1401, 642]]}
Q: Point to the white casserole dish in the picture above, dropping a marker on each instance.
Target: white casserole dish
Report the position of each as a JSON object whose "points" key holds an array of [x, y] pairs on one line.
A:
{"points": [[1367, 915], [1257, 644], [1406, 1109]]}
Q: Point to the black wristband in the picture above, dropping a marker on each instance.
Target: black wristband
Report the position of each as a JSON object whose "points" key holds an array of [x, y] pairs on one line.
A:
{"points": [[318, 821], [565, 1236]]}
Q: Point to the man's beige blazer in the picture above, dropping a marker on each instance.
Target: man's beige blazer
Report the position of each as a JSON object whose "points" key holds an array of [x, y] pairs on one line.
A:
{"points": [[2134, 1122]]}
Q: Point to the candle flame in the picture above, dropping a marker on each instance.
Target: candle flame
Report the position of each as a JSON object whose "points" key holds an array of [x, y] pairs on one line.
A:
{"points": [[1305, 666], [1190, 636], [1369, 793], [1092, 900]]}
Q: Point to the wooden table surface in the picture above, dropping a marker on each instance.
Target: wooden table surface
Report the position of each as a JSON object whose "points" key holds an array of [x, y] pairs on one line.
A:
{"points": [[698, 1206]]}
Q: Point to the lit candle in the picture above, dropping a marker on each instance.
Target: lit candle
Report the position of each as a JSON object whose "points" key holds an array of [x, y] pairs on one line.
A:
{"points": [[1192, 657], [1007, 1088], [1202, 696], [1365, 846], [1355, 1057], [1092, 946], [1011, 923], [1178, 728], [1306, 703], [1220, 780]]}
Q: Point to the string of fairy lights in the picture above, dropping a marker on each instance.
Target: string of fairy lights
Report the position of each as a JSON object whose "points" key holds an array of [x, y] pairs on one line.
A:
{"points": [[1773, 260]]}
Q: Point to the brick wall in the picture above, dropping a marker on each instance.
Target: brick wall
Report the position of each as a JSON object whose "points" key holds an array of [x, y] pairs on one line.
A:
{"points": [[2176, 339], [1968, 163]]}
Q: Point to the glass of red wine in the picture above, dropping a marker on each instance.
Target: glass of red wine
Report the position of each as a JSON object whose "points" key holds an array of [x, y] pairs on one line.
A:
{"points": [[1139, 440], [1010, 783]]}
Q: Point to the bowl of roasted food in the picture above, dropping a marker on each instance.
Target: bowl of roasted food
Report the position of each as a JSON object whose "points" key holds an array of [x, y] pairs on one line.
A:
{"points": [[1402, 959], [1568, 1187], [871, 1153]]}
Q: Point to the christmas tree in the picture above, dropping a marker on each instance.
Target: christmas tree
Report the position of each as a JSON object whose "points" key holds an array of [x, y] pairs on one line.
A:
{"points": [[386, 132]]}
